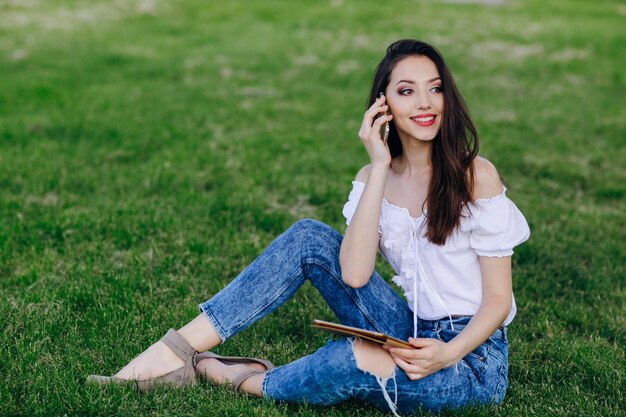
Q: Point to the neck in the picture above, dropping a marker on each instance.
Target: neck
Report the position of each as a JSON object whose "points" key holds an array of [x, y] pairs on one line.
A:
{"points": [[415, 159]]}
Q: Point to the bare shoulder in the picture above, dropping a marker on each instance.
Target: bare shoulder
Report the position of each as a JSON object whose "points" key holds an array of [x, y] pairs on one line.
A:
{"points": [[487, 182], [363, 173]]}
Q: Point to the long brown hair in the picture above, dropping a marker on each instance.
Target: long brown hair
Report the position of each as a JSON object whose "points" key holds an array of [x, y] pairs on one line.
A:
{"points": [[454, 148]]}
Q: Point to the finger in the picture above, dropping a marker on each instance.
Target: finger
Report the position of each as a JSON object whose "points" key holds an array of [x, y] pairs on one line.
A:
{"points": [[407, 367], [374, 132], [414, 366], [413, 355], [369, 124], [414, 377], [403, 353], [379, 101], [420, 342], [381, 120], [374, 108], [408, 353], [371, 114]]}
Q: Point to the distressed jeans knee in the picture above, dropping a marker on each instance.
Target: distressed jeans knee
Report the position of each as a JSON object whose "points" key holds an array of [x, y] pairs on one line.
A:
{"points": [[372, 358], [376, 361]]}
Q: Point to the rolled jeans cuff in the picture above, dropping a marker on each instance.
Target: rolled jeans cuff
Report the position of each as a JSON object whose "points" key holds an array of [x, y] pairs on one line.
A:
{"points": [[216, 325]]}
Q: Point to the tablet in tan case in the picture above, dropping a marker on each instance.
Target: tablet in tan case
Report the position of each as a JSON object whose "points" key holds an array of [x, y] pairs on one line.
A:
{"points": [[342, 330]]}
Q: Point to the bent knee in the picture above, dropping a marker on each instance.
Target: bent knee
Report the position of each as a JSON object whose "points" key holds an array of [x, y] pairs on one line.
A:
{"points": [[313, 231], [308, 225], [372, 358]]}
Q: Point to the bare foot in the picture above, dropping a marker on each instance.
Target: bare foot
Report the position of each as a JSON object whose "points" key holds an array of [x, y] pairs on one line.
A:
{"points": [[155, 361], [220, 373]]}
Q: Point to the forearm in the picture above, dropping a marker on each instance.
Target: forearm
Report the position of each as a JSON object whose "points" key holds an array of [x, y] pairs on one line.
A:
{"points": [[357, 255], [494, 308], [489, 316]]}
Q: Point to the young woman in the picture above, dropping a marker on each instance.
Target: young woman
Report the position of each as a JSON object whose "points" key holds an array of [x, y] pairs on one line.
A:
{"points": [[439, 215]]}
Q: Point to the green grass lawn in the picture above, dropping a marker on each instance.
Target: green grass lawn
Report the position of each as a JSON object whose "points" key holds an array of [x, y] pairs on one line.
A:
{"points": [[149, 150]]}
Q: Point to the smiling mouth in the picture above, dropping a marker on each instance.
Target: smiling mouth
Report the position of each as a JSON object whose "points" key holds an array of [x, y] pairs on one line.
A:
{"points": [[424, 120]]}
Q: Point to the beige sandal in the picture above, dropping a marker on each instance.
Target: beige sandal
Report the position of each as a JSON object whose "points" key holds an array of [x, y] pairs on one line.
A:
{"points": [[186, 375], [237, 360]]}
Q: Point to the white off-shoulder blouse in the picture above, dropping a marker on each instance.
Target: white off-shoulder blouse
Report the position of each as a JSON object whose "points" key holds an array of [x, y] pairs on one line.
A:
{"points": [[443, 281]]}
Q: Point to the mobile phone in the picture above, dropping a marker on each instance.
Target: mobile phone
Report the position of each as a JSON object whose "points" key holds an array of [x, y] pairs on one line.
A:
{"points": [[384, 131], [384, 128]]}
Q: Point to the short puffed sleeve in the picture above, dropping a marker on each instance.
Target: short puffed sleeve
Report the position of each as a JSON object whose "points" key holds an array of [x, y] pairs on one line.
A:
{"points": [[498, 226], [353, 200]]}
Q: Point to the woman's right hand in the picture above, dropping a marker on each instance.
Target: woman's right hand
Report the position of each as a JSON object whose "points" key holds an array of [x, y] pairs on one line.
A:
{"points": [[369, 133]]}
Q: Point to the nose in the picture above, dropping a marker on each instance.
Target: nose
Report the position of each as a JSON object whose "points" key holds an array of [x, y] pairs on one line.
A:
{"points": [[422, 101]]}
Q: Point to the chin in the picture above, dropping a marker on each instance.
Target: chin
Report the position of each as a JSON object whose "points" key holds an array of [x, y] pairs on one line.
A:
{"points": [[422, 137]]}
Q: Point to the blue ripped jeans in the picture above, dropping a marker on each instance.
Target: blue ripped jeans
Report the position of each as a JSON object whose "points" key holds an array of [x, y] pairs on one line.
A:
{"points": [[310, 250]]}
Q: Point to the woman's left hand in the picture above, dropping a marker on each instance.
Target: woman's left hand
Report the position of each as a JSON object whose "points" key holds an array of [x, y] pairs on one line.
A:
{"points": [[430, 356]]}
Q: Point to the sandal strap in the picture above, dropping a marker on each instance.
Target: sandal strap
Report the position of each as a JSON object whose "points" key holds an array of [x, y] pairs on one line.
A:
{"points": [[233, 360], [178, 344], [240, 379]]}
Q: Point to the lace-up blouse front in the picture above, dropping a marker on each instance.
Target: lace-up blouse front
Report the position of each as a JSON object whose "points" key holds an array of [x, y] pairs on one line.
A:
{"points": [[442, 281]]}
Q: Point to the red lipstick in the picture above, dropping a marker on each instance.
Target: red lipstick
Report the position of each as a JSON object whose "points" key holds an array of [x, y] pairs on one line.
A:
{"points": [[424, 120]]}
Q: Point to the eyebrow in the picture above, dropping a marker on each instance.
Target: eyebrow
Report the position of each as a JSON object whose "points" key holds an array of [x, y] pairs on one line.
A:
{"points": [[413, 82]]}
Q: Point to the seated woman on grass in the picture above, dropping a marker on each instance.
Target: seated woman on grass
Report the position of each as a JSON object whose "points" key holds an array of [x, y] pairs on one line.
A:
{"points": [[439, 215]]}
